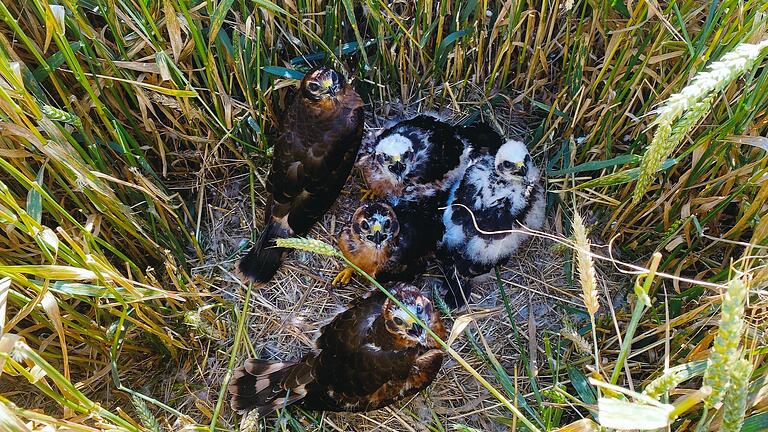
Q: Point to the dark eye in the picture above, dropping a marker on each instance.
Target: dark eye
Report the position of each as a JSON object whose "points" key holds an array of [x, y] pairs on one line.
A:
{"points": [[419, 309], [407, 154], [313, 86], [398, 321], [507, 164], [365, 225], [387, 224]]}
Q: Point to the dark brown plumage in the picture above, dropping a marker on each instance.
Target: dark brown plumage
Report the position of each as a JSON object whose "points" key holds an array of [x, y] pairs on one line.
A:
{"points": [[314, 153], [368, 357], [391, 242]]}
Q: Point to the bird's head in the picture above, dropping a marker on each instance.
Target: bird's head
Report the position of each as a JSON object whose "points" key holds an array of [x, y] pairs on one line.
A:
{"points": [[395, 153], [322, 83], [514, 163], [399, 322], [375, 223]]}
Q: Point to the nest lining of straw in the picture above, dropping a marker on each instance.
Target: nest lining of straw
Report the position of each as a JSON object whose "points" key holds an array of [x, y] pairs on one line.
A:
{"points": [[284, 316]]}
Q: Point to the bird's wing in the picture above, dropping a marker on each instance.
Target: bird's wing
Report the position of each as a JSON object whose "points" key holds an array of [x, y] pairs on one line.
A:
{"points": [[370, 368], [313, 157], [481, 138], [471, 185], [421, 228], [349, 362], [348, 330], [438, 148]]}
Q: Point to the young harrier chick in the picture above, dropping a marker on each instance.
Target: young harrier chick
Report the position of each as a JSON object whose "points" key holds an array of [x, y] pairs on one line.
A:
{"points": [[314, 153], [390, 242], [414, 158], [368, 357], [503, 191]]}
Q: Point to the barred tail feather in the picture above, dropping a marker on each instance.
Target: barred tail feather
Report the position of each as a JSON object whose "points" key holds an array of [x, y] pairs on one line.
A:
{"points": [[266, 386], [264, 259]]}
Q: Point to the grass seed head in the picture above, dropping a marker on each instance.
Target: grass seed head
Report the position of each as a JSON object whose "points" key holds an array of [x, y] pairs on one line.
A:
{"points": [[579, 342], [309, 245], [719, 74], [585, 265], [54, 113], [726, 348], [663, 384], [145, 415], [735, 402], [683, 110], [664, 142]]}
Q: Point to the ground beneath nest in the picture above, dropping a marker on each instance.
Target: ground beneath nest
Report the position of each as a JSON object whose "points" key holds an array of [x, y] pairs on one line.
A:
{"points": [[284, 316]]}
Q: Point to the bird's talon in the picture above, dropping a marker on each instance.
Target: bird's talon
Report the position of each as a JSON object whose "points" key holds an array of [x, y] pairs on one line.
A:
{"points": [[343, 277]]}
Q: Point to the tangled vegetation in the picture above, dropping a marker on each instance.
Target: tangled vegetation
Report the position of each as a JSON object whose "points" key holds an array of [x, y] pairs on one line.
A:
{"points": [[118, 117]]}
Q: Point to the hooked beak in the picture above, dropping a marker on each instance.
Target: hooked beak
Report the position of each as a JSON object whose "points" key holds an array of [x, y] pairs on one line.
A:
{"points": [[522, 170], [397, 168], [416, 331], [333, 89], [378, 237]]}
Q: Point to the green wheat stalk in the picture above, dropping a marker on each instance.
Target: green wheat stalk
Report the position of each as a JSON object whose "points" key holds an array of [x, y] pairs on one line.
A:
{"points": [[145, 415], [643, 302], [726, 347], [735, 401], [685, 109]]}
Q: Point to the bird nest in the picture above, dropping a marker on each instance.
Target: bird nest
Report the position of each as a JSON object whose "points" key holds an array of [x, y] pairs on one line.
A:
{"points": [[285, 314]]}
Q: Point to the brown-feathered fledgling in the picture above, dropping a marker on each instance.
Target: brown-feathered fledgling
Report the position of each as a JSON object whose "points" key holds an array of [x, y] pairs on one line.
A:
{"points": [[314, 153], [391, 243], [367, 357], [369, 241]]}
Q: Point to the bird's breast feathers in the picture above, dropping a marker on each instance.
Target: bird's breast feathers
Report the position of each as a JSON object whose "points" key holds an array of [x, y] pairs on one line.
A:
{"points": [[496, 205], [370, 259]]}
